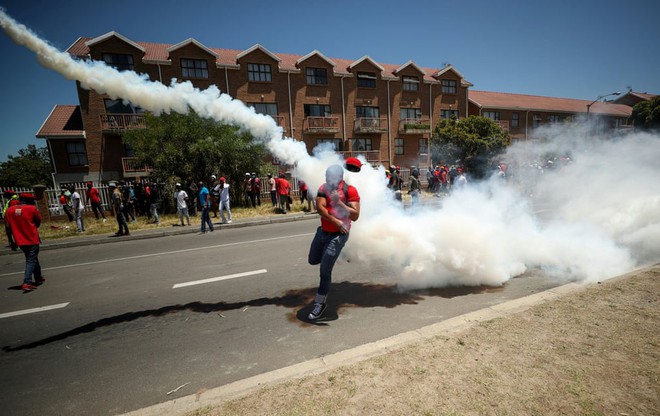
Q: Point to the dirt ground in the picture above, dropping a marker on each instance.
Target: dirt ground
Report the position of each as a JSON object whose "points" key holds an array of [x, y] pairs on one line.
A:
{"points": [[593, 352]]}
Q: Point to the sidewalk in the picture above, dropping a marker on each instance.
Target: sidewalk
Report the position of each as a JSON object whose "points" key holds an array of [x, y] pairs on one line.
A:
{"points": [[573, 350]]}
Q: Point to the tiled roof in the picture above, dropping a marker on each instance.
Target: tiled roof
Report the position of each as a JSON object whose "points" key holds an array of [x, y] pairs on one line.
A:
{"points": [[227, 57], [503, 100], [63, 121]]}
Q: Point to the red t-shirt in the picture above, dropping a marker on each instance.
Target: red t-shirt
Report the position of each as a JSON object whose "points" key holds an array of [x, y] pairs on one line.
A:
{"points": [[93, 195], [23, 221], [342, 214], [283, 186]]}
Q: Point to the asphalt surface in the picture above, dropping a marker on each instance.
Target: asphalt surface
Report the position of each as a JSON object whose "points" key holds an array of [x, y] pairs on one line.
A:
{"points": [[131, 331]]}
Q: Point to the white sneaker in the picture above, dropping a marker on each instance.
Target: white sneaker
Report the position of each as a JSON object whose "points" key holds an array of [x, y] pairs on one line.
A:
{"points": [[229, 222]]}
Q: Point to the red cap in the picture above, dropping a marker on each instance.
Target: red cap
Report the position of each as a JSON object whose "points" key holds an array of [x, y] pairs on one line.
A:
{"points": [[27, 196], [353, 164], [222, 178], [8, 192]]}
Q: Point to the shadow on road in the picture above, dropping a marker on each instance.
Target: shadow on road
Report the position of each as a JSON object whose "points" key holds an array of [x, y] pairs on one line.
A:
{"points": [[344, 295]]}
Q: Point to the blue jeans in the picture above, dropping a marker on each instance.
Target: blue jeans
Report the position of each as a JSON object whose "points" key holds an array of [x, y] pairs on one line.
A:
{"points": [[32, 266], [206, 219], [325, 250]]}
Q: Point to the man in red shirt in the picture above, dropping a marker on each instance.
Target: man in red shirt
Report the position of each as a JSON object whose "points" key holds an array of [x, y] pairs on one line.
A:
{"points": [[23, 221], [94, 199], [283, 192], [338, 204]]}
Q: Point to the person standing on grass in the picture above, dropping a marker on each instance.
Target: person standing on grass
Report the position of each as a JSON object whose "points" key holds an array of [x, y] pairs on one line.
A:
{"points": [[23, 221], [272, 184], [283, 193], [118, 206], [338, 204], [181, 198], [224, 201], [205, 202], [78, 208], [94, 198]]}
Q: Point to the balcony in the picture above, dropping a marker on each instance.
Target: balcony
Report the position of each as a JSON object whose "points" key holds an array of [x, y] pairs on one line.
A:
{"points": [[122, 122], [321, 125], [414, 126], [372, 156], [370, 125], [133, 168]]}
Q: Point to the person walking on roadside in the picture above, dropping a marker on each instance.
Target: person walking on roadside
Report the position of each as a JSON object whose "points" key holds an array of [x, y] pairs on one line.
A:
{"points": [[78, 208], [94, 198], [338, 204], [273, 189], [118, 206], [23, 221], [205, 201], [224, 201], [181, 199], [154, 200], [415, 187]]}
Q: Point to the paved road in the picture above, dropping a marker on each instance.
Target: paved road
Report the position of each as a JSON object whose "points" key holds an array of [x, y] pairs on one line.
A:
{"points": [[126, 329]]}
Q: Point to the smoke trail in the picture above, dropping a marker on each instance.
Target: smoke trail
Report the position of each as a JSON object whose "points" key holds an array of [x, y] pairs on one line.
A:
{"points": [[600, 215]]}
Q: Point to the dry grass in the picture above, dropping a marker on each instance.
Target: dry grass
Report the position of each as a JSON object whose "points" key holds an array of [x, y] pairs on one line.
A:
{"points": [[590, 353]]}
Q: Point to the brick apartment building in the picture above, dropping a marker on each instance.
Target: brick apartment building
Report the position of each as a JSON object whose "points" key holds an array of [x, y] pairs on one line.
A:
{"points": [[385, 112]]}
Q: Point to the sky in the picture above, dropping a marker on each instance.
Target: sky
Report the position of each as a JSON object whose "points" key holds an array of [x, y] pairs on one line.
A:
{"points": [[573, 49]]}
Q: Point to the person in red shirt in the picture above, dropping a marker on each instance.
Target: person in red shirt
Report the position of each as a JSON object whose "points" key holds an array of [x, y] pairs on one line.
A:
{"points": [[23, 221], [283, 192], [338, 204], [94, 198]]}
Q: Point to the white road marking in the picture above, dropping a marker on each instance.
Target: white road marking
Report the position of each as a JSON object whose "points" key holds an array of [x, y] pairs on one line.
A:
{"points": [[219, 278], [34, 310], [164, 253]]}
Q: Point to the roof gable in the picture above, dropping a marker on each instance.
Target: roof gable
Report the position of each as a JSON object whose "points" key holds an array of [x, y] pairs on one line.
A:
{"points": [[64, 121], [103, 38], [446, 69], [406, 65], [188, 42], [315, 53], [366, 58], [257, 47]]}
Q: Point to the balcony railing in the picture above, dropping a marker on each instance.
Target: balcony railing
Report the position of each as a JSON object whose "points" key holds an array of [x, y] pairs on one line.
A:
{"points": [[321, 125], [122, 122], [370, 125], [131, 166], [372, 156], [414, 125]]}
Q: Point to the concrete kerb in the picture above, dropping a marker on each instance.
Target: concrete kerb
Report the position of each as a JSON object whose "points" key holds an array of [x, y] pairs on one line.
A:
{"points": [[164, 232], [218, 395]]}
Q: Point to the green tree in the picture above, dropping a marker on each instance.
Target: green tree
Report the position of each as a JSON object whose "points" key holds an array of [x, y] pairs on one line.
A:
{"points": [[182, 146], [31, 167], [474, 140], [646, 114]]}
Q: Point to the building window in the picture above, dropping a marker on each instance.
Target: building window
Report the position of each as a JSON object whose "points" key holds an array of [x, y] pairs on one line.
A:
{"points": [[448, 86], [398, 146], [493, 115], [76, 154], [410, 83], [317, 110], [364, 111], [269, 109], [118, 107], [121, 62], [336, 143], [536, 120], [447, 114], [259, 72], [554, 118], [366, 80], [423, 146], [361, 145], [194, 68], [317, 76], [515, 120], [405, 113]]}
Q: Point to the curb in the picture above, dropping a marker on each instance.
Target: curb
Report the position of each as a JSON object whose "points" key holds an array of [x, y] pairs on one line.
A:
{"points": [[143, 235], [218, 395]]}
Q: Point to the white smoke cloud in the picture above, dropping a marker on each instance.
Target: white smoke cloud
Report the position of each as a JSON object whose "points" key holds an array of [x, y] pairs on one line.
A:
{"points": [[597, 218]]}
